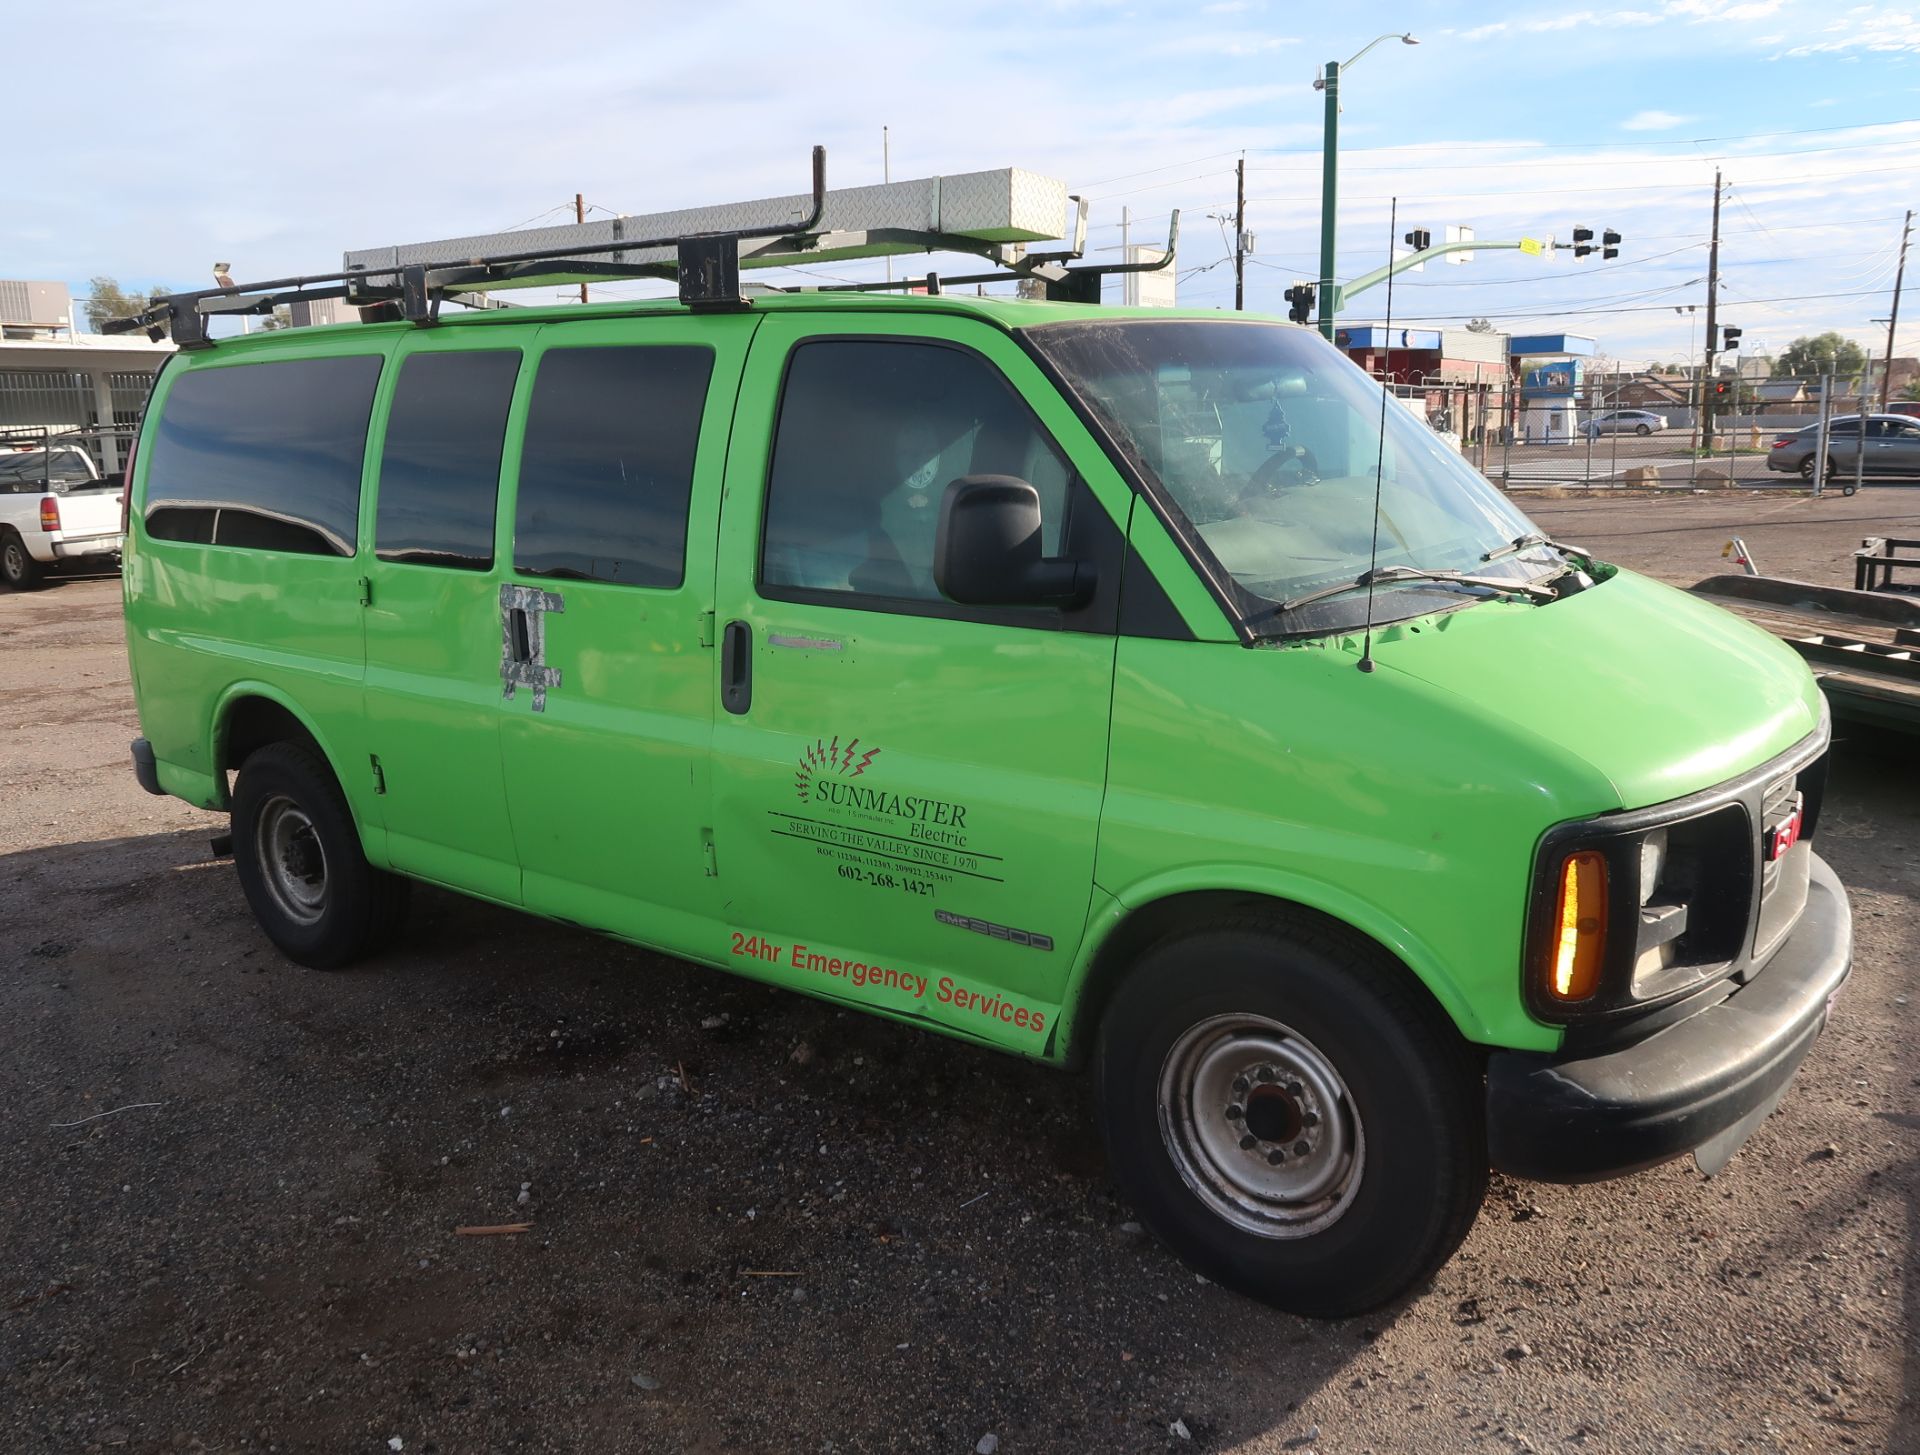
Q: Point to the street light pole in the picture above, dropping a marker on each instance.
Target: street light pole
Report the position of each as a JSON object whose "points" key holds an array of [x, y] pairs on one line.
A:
{"points": [[1329, 195], [1330, 175]]}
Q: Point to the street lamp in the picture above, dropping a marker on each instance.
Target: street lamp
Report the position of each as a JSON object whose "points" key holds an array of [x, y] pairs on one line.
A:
{"points": [[1330, 170]]}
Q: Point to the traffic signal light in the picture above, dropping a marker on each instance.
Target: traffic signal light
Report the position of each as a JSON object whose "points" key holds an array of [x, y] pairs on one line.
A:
{"points": [[1300, 301], [1719, 388], [1730, 338], [1582, 241], [1419, 240], [1611, 241]]}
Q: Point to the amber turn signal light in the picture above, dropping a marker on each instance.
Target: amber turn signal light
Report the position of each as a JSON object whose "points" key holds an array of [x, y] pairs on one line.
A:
{"points": [[1579, 927]]}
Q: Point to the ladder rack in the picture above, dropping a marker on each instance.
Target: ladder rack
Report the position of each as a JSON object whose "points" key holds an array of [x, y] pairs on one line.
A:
{"points": [[990, 215]]}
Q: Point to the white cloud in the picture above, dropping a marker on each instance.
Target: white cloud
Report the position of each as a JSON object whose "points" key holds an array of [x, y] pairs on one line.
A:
{"points": [[1698, 11], [1239, 43], [1572, 20], [1653, 121], [1864, 28]]}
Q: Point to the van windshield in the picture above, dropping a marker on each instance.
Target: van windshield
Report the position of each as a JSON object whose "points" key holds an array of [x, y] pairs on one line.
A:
{"points": [[1264, 442]]}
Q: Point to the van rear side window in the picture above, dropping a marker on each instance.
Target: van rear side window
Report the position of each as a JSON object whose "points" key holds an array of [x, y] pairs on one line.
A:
{"points": [[607, 467], [440, 465], [264, 456]]}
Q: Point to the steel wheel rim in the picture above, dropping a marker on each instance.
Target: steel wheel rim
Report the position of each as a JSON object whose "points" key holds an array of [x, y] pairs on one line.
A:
{"points": [[16, 560], [293, 862], [1261, 1126]]}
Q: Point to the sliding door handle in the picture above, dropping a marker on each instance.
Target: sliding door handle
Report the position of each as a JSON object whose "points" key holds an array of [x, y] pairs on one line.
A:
{"points": [[736, 667]]}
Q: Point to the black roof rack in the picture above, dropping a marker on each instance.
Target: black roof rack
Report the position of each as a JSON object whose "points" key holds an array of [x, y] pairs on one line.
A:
{"points": [[706, 266]]}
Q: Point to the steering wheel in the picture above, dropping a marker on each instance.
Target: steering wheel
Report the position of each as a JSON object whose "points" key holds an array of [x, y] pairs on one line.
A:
{"points": [[1268, 475]]}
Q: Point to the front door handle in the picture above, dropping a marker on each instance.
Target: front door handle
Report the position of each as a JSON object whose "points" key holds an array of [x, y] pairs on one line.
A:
{"points": [[736, 667]]}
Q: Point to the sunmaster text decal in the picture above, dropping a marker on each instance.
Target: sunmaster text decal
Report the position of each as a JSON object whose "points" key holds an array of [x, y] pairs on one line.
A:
{"points": [[878, 834]]}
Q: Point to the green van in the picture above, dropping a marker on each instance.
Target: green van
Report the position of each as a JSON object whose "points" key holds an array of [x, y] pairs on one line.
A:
{"points": [[1120, 687]]}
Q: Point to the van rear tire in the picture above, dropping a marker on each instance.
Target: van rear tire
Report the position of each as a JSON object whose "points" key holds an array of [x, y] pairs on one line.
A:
{"points": [[298, 855], [1289, 1115]]}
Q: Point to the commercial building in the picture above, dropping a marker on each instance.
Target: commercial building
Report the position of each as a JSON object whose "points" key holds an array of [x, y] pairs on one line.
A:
{"points": [[53, 377]]}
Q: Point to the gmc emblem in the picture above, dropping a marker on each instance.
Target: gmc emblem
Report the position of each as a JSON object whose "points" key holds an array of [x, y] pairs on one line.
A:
{"points": [[1785, 834]]}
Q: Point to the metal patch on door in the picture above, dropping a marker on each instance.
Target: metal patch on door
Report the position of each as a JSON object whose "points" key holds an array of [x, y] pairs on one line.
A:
{"points": [[523, 641]]}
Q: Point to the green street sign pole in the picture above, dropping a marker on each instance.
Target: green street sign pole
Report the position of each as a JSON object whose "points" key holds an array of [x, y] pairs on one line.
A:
{"points": [[1329, 199], [1329, 291]]}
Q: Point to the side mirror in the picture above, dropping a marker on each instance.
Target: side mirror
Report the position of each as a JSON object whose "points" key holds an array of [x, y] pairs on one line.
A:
{"points": [[987, 549]]}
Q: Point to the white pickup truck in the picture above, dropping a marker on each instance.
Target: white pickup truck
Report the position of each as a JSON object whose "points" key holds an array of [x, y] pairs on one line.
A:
{"points": [[54, 508]]}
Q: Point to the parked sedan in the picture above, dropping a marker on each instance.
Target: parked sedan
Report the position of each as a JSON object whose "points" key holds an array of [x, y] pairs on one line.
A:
{"points": [[1625, 421], [1892, 448]]}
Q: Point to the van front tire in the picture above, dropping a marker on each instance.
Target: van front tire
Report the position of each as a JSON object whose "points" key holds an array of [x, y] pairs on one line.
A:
{"points": [[1289, 1115], [298, 855]]}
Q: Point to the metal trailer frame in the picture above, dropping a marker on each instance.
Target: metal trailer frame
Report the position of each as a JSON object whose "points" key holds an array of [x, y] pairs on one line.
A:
{"points": [[412, 282], [1841, 634]]}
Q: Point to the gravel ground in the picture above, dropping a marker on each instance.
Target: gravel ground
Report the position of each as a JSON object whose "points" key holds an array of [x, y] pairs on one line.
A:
{"points": [[759, 1224]]}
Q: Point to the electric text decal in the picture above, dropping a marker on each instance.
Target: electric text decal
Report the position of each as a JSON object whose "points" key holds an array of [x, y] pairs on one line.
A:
{"points": [[875, 835], [909, 985]]}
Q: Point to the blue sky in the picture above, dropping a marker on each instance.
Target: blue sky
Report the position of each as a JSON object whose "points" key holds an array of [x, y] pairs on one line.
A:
{"points": [[275, 136]]}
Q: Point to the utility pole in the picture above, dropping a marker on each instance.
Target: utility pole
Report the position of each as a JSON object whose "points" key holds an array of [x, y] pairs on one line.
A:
{"points": [[1240, 235], [886, 175], [1713, 334], [1899, 277], [580, 215]]}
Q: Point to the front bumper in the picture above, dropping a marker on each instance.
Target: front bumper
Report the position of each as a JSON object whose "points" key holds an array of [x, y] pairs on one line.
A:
{"points": [[1582, 1117]]}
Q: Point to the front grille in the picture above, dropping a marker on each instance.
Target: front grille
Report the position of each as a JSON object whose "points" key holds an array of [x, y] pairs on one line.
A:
{"points": [[1783, 881]]}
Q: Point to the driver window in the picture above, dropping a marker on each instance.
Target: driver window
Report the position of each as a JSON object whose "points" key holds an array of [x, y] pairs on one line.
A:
{"points": [[871, 433]]}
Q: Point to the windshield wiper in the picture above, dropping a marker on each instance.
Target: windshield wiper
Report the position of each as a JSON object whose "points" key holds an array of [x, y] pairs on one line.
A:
{"points": [[1527, 543], [1388, 575]]}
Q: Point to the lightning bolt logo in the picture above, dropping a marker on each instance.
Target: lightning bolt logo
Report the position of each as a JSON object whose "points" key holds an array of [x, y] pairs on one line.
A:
{"points": [[823, 757]]}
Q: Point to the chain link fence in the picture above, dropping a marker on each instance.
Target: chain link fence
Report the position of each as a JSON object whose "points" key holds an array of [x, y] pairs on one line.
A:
{"points": [[1620, 432]]}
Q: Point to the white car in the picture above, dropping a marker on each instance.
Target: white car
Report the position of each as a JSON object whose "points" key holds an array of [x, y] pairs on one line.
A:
{"points": [[1624, 421], [54, 508]]}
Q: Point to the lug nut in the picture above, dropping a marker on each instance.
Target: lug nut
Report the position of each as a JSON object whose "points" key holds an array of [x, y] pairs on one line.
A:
{"points": [[1234, 1113], [1301, 1148], [1265, 1073], [1276, 1157], [1240, 1083], [1247, 1144], [1309, 1118]]}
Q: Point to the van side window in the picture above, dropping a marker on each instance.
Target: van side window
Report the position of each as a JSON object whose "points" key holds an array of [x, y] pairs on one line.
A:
{"points": [[871, 433], [607, 467], [266, 456], [440, 465]]}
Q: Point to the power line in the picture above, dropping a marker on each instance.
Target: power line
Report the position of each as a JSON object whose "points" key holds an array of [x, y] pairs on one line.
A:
{"points": [[1678, 159], [1438, 197], [1641, 307], [1650, 142]]}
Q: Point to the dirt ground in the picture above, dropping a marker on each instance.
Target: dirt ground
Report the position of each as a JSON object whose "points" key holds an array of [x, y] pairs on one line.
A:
{"points": [[229, 1187]]}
